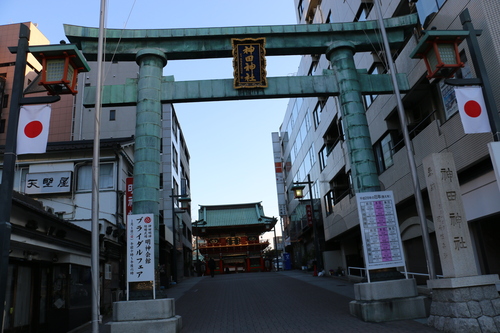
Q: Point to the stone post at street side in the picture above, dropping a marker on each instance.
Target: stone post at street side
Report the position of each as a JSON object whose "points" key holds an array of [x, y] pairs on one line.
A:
{"points": [[462, 301]]}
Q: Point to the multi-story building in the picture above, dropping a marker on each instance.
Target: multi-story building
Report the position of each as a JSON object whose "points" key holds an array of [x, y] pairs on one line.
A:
{"points": [[119, 122], [69, 158], [311, 140]]}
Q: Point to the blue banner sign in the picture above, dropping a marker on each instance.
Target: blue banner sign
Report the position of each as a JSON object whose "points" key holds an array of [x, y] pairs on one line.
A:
{"points": [[249, 63]]}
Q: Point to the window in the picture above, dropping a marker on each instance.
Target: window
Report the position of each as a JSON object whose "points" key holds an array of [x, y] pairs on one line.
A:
{"points": [[314, 64], [333, 135], [322, 158], [363, 11], [329, 203], [318, 109], [384, 150], [2, 125], [427, 9], [300, 9], [370, 98], [329, 17], [175, 158], [5, 101], [84, 177], [112, 115], [340, 186]]}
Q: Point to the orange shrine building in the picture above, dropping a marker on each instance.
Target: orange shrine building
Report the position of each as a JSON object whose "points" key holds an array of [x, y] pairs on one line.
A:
{"points": [[230, 234]]}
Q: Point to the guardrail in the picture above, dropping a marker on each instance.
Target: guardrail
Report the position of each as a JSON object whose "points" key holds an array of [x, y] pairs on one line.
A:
{"points": [[361, 272]]}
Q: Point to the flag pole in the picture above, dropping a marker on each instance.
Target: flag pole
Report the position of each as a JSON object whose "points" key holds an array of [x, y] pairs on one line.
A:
{"points": [[429, 256], [10, 156], [96, 318]]}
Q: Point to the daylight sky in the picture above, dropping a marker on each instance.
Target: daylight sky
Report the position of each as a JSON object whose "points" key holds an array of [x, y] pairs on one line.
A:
{"points": [[229, 142]]}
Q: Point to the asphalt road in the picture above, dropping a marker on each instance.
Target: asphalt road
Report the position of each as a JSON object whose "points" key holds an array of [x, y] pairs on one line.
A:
{"points": [[290, 301]]}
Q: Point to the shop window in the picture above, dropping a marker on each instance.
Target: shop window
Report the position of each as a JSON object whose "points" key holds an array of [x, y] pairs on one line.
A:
{"points": [[80, 289], [84, 177]]}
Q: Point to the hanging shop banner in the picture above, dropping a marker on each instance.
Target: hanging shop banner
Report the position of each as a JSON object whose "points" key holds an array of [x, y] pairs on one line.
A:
{"points": [[129, 195], [249, 63], [380, 230], [140, 247]]}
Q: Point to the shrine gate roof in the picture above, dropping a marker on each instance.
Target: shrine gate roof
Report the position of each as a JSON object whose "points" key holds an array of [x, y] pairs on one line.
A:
{"points": [[245, 214]]}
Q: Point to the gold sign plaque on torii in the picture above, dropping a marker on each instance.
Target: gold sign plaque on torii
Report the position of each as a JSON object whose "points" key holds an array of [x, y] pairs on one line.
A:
{"points": [[249, 63]]}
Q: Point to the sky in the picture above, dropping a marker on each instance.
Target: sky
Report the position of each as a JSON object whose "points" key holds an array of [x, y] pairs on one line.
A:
{"points": [[229, 142]]}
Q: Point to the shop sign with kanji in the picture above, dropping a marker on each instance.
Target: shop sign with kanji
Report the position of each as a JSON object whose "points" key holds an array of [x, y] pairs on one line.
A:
{"points": [[249, 63], [140, 247], [48, 182]]}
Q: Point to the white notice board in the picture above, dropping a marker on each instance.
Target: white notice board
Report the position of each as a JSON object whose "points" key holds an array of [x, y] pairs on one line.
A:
{"points": [[140, 247], [380, 230]]}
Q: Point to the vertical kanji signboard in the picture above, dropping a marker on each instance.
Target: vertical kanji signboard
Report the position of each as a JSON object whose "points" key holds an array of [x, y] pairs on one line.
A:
{"points": [[140, 247]]}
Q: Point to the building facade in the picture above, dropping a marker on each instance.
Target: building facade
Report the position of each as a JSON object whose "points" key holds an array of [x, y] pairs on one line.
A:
{"points": [[312, 141], [68, 161], [120, 121]]}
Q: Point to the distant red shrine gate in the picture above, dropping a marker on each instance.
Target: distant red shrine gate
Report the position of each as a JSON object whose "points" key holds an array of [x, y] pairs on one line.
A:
{"points": [[231, 236]]}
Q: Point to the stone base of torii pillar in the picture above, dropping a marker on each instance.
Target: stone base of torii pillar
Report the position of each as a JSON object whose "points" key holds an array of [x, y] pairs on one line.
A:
{"points": [[145, 316], [388, 300]]}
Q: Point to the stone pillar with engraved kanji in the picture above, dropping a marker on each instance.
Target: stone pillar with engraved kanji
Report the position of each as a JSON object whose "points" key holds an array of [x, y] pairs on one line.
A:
{"points": [[462, 301]]}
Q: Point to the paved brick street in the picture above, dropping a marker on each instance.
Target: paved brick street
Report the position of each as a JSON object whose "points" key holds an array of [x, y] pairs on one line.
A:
{"points": [[290, 301]]}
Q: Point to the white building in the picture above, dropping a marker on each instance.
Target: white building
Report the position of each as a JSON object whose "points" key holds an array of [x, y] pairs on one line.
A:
{"points": [[311, 139]]}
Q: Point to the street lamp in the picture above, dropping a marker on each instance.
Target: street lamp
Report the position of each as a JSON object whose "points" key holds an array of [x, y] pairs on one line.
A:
{"points": [[10, 155], [61, 65], [439, 49], [197, 224], [298, 188]]}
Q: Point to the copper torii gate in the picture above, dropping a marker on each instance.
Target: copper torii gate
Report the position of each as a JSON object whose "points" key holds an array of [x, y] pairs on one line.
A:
{"points": [[151, 48]]}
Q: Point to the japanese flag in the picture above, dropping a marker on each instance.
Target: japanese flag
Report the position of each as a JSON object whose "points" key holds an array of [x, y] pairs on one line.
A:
{"points": [[33, 129], [472, 109]]}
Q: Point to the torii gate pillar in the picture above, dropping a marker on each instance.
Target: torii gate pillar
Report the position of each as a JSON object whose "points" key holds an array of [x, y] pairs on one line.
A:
{"points": [[147, 137], [363, 167]]}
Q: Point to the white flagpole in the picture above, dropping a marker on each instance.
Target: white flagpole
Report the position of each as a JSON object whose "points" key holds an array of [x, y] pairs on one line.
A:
{"points": [[95, 178], [409, 149]]}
